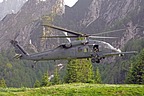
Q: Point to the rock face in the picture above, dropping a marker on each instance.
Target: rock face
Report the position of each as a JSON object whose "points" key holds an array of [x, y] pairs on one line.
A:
{"points": [[25, 25], [10, 6], [89, 16], [92, 16]]}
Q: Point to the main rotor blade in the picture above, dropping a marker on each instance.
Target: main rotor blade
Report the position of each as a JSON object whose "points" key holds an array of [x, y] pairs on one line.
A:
{"points": [[78, 34], [102, 37], [59, 37], [96, 37], [63, 29], [108, 32]]}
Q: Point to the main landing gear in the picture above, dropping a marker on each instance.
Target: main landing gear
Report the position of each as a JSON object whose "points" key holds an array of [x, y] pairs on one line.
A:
{"points": [[95, 60], [95, 57]]}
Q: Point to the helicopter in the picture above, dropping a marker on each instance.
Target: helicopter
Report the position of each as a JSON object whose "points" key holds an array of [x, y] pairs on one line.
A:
{"points": [[96, 50]]}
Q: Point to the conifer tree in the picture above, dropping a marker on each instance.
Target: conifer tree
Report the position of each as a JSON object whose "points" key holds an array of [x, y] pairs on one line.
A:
{"points": [[71, 75], [79, 71], [98, 76], [56, 79], [86, 73], [136, 72], [37, 84], [2, 83], [45, 80]]}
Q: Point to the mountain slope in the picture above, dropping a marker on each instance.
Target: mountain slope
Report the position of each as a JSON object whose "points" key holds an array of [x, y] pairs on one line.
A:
{"points": [[88, 16], [95, 16], [25, 23], [8, 7]]}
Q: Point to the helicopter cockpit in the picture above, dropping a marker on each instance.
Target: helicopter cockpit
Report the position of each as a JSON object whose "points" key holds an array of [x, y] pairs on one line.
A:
{"points": [[101, 45]]}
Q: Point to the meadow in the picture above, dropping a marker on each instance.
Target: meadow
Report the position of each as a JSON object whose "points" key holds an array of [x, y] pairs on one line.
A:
{"points": [[77, 89]]}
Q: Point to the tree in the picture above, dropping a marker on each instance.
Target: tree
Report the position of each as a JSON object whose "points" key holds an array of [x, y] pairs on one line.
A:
{"points": [[97, 76], [136, 72], [56, 79], [2, 83], [45, 80], [37, 84], [79, 71]]}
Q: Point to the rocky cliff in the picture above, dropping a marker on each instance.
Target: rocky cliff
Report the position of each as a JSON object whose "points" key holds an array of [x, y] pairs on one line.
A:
{"points": [[89, 16], [93, 16], [10, 6], [25, 25]]}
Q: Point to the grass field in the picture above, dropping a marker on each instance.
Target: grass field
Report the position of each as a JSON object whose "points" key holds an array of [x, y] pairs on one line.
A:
{"points": [[78, 89]]}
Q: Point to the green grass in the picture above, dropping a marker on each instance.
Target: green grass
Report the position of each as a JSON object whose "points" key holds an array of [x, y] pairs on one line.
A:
{"points": [[78, 89]]}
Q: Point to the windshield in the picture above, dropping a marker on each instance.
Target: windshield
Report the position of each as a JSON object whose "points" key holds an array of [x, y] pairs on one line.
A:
{"points": [[106, 45]]}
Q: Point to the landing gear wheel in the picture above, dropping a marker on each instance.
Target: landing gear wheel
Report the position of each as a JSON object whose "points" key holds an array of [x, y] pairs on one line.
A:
{"points": [[94, 60], [97, 61]]}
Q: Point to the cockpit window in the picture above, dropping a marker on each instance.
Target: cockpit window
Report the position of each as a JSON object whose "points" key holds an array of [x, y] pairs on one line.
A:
{"points": [[107, 45]]}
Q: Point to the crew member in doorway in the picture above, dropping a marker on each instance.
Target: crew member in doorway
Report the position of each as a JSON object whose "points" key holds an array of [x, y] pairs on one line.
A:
{"points": [[95, 48]]}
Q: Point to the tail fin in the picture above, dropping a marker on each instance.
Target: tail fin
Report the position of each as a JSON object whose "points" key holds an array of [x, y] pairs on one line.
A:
{"points": [[18, 49]]}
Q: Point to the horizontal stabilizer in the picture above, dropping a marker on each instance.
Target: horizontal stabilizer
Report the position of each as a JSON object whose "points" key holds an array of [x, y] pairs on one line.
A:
{"points": [[119, 53]]}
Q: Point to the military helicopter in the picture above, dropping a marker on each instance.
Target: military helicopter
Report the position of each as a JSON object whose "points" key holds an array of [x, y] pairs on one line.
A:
{"points": [[78, 49]]}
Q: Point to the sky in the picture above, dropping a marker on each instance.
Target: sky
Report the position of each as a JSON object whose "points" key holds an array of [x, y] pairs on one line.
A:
{"points": [[70, 3], [1, 0]]}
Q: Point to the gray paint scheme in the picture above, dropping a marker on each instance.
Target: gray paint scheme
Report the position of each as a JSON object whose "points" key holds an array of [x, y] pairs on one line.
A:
{"points": [[74, 50]]}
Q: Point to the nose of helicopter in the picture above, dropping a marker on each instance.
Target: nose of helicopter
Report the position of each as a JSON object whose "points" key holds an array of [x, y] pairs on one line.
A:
{"points": [[118, 50]]}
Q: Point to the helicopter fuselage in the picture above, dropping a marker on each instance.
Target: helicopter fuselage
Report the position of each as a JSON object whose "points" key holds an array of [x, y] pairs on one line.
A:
{"points": [[94, 49], [73, 50]]}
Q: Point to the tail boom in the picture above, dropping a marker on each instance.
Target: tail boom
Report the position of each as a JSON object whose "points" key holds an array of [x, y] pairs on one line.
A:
{"points": [[20, 52]]}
